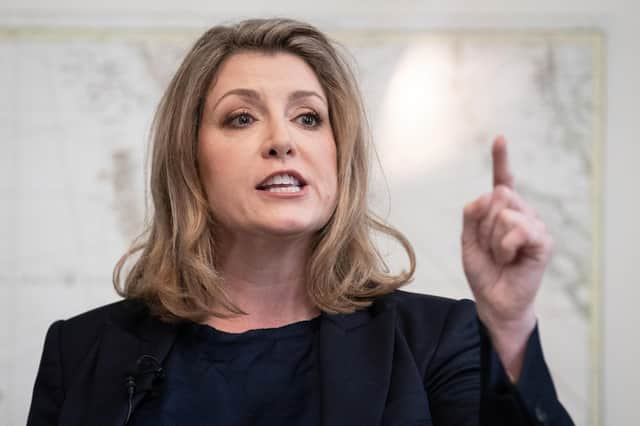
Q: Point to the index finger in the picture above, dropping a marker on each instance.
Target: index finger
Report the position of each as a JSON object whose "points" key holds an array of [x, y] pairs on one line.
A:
{"points": [[501, 172]]}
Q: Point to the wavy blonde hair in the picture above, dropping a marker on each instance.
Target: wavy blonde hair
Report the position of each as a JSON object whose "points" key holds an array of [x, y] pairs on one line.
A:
{"points": [[175, 273]]}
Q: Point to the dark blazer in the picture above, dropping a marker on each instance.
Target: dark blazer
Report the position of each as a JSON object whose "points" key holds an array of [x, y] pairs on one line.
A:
{"points": [[409, 359]]}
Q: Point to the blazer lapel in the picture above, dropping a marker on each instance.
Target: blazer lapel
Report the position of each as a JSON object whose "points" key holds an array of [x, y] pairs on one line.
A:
{"points": [[123, 346], [356, 352]]}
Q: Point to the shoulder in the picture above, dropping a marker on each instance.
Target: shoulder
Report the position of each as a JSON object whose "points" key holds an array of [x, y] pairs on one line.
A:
{"points": [[431, 323], [79, 332], [427, 308], [120, 312]]}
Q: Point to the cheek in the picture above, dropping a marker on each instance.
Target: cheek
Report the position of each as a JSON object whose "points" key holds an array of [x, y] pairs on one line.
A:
{"points": [[219, 164], [330, 173], [224, 206], [225, 186], [207, 170], [216, 176]]}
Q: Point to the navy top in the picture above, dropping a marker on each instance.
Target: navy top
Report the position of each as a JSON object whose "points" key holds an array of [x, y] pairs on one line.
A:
{"points": [[259, 377]]}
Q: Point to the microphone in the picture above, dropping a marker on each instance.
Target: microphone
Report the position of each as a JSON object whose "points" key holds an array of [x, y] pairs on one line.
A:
{"points": [[148, 372]]}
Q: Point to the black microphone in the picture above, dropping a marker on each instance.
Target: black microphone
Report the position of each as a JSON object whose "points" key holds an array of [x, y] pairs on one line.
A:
{"points": [[148, 373]]}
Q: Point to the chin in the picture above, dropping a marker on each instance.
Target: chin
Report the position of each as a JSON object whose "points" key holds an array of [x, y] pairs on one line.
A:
{"points": [[291, 228]]}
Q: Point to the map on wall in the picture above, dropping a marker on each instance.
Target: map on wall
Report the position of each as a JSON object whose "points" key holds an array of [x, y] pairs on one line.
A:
{"points": [[74, 122]]}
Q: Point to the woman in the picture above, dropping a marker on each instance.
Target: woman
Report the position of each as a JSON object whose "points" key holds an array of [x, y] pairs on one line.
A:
{"points": [[258, 296]]}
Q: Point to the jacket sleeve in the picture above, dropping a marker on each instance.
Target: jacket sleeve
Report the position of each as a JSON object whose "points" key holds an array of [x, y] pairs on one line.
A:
{"points": [[48, 391], [468, 386], [533, 396]]}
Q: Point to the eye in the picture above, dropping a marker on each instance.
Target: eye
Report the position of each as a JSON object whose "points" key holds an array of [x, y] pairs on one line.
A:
{"points": [[310, 119], [239, 120]]}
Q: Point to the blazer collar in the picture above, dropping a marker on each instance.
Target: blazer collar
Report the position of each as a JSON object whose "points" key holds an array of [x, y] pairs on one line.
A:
{"points": [[129, 334], [355, 357]]}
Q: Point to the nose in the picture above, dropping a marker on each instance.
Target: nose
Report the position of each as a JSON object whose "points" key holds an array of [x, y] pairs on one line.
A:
{"points": [[278, 144], [279, 150]]}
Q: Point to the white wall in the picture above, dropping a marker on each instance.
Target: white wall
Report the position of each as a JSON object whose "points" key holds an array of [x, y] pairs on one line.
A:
{"points": [[618, 19]]}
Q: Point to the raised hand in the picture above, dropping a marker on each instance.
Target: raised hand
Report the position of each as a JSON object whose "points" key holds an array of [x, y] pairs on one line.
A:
{"points": [[505, 249]]}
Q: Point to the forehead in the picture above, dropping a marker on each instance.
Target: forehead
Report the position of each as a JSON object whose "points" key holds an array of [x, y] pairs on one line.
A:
{"points": [[263, 71]]}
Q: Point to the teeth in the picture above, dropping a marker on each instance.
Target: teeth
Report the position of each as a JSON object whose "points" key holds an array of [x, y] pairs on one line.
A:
{"points": [[282, 179], [284, 189]]}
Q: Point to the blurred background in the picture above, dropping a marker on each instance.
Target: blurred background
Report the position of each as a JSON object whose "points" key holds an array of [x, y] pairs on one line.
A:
{"points": [[80, 80]]}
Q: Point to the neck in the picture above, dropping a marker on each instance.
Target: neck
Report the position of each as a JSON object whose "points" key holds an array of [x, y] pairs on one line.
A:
{"points": [[265, 277]]}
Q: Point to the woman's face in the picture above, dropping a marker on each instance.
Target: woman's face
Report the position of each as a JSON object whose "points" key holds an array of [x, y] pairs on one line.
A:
{"points": [[266, 149]]}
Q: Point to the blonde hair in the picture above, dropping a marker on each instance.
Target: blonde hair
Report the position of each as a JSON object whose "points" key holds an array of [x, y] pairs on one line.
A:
{"points": [[175, 274]]}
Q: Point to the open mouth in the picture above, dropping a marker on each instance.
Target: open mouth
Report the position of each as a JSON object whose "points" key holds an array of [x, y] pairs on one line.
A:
{"points": [[282, 182]]}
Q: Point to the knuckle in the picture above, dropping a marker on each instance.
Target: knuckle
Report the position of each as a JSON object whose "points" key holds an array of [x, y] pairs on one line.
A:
{"points": [[485, 225], [503, 192], [504, 216], [525, 232], [504, 244], [468, 210]]}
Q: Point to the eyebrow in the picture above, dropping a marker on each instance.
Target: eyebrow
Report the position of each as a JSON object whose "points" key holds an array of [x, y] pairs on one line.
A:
{"points": [[254, 96]]}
